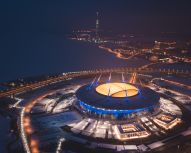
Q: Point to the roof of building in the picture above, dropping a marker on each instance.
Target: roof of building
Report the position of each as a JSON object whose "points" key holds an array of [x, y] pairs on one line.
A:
{"points": [[143, 99]]}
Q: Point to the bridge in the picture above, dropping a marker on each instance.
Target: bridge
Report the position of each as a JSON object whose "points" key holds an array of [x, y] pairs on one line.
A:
{"points": [[65, 76]]}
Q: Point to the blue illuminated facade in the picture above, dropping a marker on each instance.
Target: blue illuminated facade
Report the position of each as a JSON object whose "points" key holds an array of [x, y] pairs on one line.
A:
{"points": [[116, 113], [91, 102]]}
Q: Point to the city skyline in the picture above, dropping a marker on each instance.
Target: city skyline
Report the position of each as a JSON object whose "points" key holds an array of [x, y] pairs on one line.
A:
{"points": [[120, 16]]}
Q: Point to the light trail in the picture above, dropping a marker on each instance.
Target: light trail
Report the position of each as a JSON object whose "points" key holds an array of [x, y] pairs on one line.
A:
{"points": [[173, 82], [34, 146], [117, 54], [70, 75], [26, 127], [177, 83], [173, 91], [59, 146], [23, 134], [147, 65]]}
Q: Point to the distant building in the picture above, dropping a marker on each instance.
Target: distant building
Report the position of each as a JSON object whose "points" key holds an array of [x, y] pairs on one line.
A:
{"points": [[97, 28], [157, 45]]}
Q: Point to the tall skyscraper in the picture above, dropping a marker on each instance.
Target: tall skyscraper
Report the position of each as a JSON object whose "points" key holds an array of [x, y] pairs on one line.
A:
{"points": [[97, 26]]}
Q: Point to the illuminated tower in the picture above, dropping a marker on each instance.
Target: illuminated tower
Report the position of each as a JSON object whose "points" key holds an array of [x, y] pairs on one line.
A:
{"points": [[97, 26]]}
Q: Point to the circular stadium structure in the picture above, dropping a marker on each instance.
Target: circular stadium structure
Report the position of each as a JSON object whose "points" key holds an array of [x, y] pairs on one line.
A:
{"points": [[117, 100], [96, 113]]}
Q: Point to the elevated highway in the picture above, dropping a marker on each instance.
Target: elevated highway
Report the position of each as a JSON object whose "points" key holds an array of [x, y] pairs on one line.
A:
{"points": [[31, 86]]}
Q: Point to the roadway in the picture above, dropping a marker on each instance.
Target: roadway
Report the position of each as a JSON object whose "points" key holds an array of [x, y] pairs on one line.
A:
{"points": [[56, 79]]}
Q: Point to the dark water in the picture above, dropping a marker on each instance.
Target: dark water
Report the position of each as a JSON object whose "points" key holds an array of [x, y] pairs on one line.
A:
{"points": [[26, 55]]}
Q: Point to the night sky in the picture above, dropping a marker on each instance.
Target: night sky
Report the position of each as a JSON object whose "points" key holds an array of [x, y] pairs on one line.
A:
{"points": [[29, 28], [66, 15]]}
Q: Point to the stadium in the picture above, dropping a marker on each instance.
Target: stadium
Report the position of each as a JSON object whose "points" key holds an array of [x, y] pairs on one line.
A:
{"points": [[102, 111], [117, 100]]}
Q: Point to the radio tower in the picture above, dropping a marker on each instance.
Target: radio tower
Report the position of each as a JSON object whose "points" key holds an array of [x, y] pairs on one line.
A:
{"points": [[97, 26]]}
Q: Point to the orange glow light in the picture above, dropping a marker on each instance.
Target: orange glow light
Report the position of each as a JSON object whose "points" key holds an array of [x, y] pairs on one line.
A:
{"points": [[117, 90]]}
